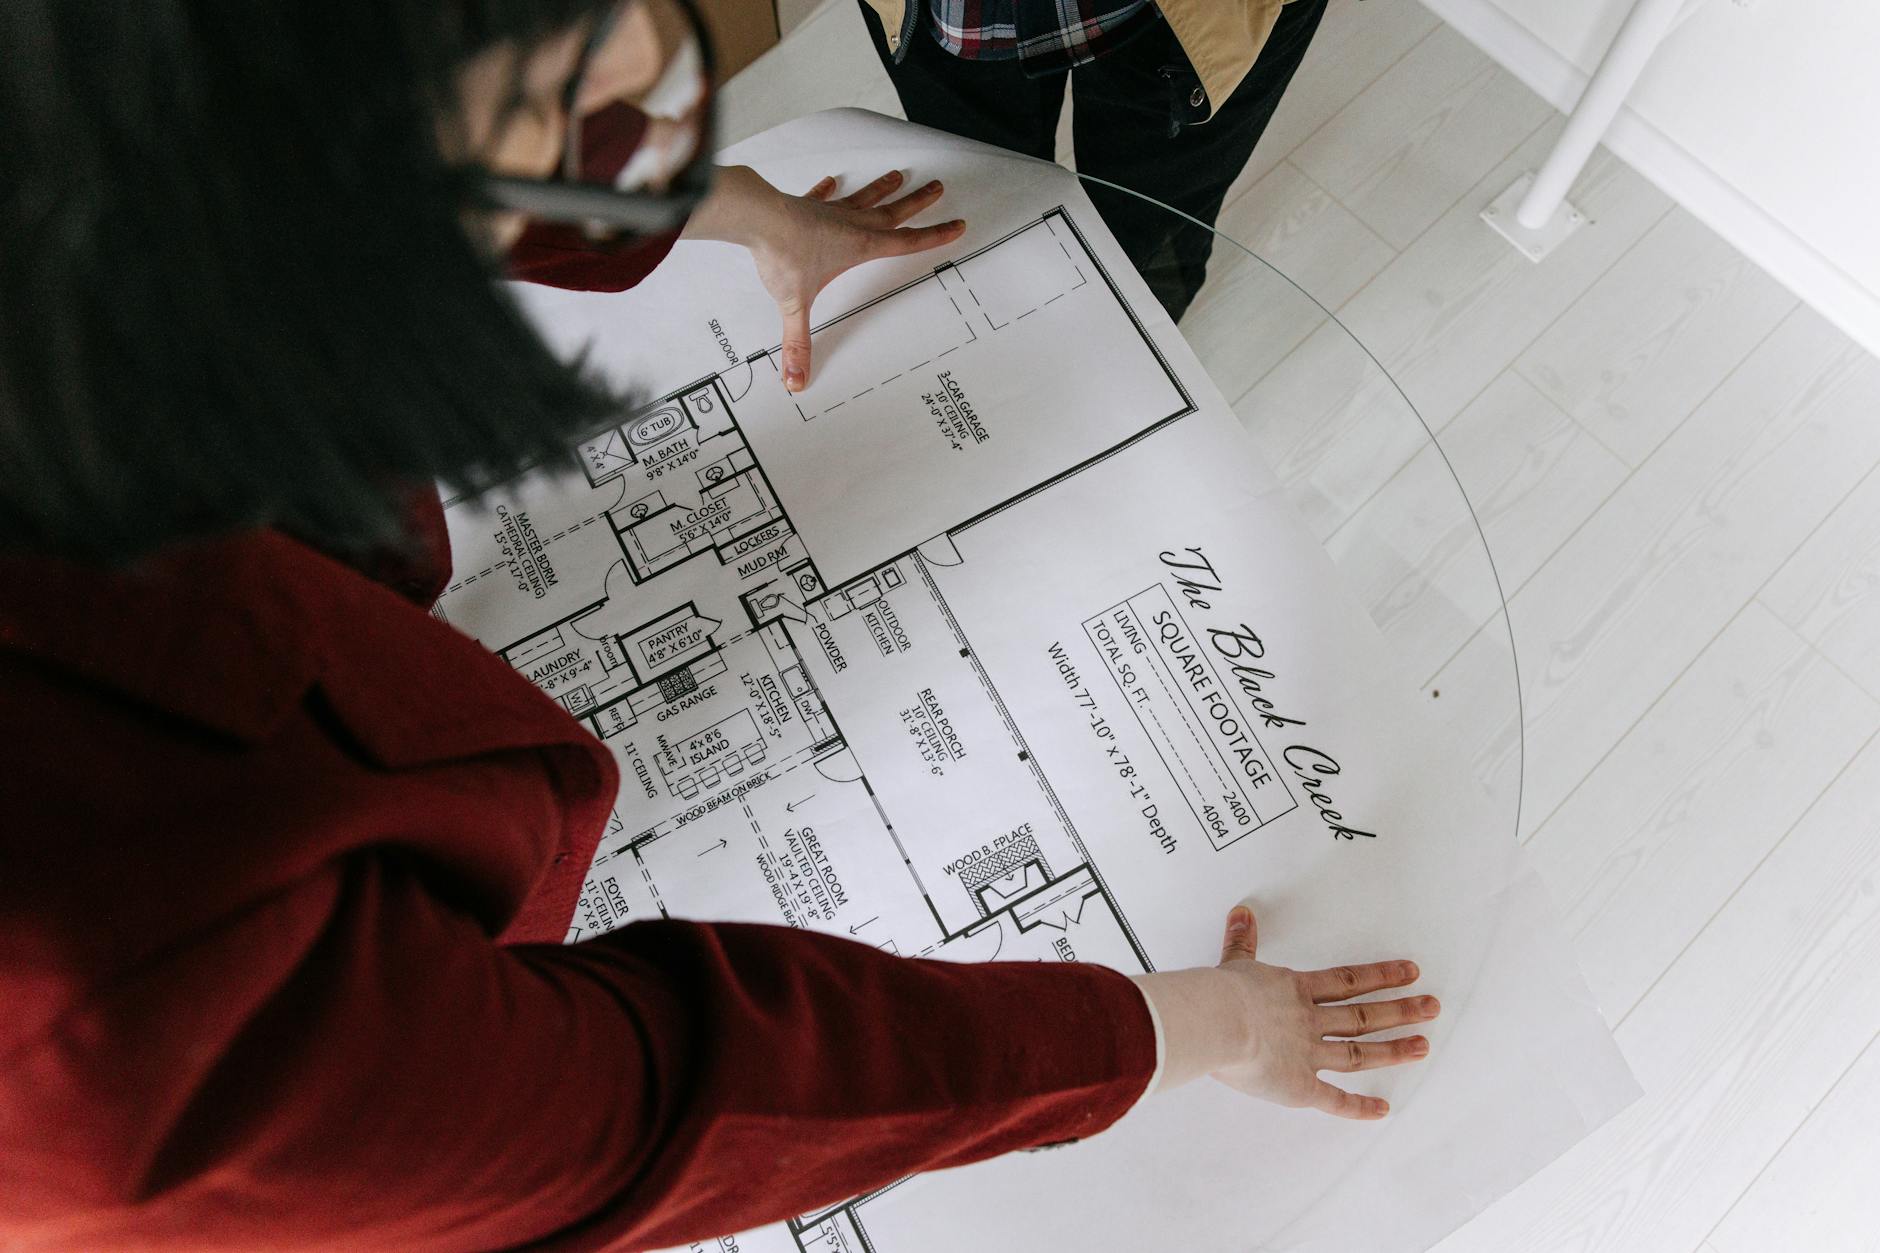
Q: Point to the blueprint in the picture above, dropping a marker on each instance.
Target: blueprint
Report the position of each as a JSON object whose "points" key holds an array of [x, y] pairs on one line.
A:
{"points": [[998, 642]]}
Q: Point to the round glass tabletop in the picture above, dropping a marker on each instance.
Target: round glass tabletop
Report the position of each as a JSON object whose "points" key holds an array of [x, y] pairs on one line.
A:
{"points": [[833, 624], [1368, 476]]}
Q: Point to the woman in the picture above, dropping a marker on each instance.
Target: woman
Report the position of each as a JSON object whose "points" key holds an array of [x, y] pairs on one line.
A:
{"points": [[284, 857]]}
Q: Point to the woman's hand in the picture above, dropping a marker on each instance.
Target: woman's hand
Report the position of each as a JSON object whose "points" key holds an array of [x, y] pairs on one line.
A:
{"points": [[1263, 1029], [802, 242]]}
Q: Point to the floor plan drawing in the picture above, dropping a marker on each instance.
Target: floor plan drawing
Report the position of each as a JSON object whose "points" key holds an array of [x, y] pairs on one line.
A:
{"points": [[712, 659], [997, 642], [709, 652]]}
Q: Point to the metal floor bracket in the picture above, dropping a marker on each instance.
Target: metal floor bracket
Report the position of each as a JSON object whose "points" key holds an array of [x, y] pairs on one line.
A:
{"points": [[1532, 244]]}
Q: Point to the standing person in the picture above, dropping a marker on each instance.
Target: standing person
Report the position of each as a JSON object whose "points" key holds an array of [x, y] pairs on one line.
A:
{"points": [[1171, 96], [284, 859]]}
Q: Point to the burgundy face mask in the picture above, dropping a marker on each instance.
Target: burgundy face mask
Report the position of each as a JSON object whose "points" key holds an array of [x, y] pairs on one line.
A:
{"points": [[633, 169], [568, 254]]}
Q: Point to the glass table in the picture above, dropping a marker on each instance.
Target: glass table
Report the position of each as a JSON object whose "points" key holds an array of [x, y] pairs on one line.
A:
{"points": [[1372, 481], [1369, 476], [834, 637]]}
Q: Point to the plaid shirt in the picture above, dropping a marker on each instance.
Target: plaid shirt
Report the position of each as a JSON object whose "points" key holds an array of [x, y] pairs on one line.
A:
{"points": [[1046, 35]]}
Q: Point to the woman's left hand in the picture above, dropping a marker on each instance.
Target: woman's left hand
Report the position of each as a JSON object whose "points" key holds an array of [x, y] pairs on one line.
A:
{"points": [[802, 242]]}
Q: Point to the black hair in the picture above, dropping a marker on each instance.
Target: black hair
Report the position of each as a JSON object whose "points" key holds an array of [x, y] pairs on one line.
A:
{"points": [[236, 288]]}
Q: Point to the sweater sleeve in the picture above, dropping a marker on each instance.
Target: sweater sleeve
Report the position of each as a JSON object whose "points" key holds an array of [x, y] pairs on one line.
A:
{"points": [[357, 1064]]}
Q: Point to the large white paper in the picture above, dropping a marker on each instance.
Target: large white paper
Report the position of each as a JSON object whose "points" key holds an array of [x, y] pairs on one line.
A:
{"points": [[998, 642]]}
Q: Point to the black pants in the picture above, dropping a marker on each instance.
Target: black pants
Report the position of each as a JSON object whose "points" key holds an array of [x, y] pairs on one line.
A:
{"points": [[1130, 126]]}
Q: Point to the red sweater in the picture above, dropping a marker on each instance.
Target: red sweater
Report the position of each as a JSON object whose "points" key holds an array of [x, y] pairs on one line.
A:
{"points": [[282, 864], [270, 828]]}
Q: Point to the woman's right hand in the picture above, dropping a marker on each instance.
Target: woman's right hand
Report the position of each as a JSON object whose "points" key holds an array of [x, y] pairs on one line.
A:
{"points": [[1268, 1031], [800, 243]]}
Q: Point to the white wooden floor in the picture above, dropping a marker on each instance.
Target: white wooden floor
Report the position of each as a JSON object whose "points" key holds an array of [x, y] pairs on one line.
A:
{"points": [[1675, 464]]}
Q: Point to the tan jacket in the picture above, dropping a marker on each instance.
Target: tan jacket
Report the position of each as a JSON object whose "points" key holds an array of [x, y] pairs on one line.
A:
{"points": [[1220, 37]]}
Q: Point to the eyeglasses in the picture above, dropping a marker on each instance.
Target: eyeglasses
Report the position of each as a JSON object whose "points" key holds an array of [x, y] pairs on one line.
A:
{"points": [[646, 70]]}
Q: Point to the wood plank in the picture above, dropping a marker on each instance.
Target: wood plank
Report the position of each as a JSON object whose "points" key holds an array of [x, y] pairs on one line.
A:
{"points": [[1332, 425], [1746, 1032], [1357, 41], [1531, 473], [1248, 316], [1459, 305], [1299, 229], [1411, 143], [1819, 1194], [1636, 354], [1413, 557], [1414, 553], [1476, 700], [1830, 589], [1611, 619], [1686, 805]]}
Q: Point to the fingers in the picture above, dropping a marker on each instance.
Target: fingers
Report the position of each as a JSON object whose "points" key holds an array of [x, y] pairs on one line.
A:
{"points": [[883, 218], [795, 347], [1341, 983], [1362, 1019], [877, 191], [1346, 1056], [899, 211], [917, 238], [1242, 936], [1348, 1104], [892, 213]]}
